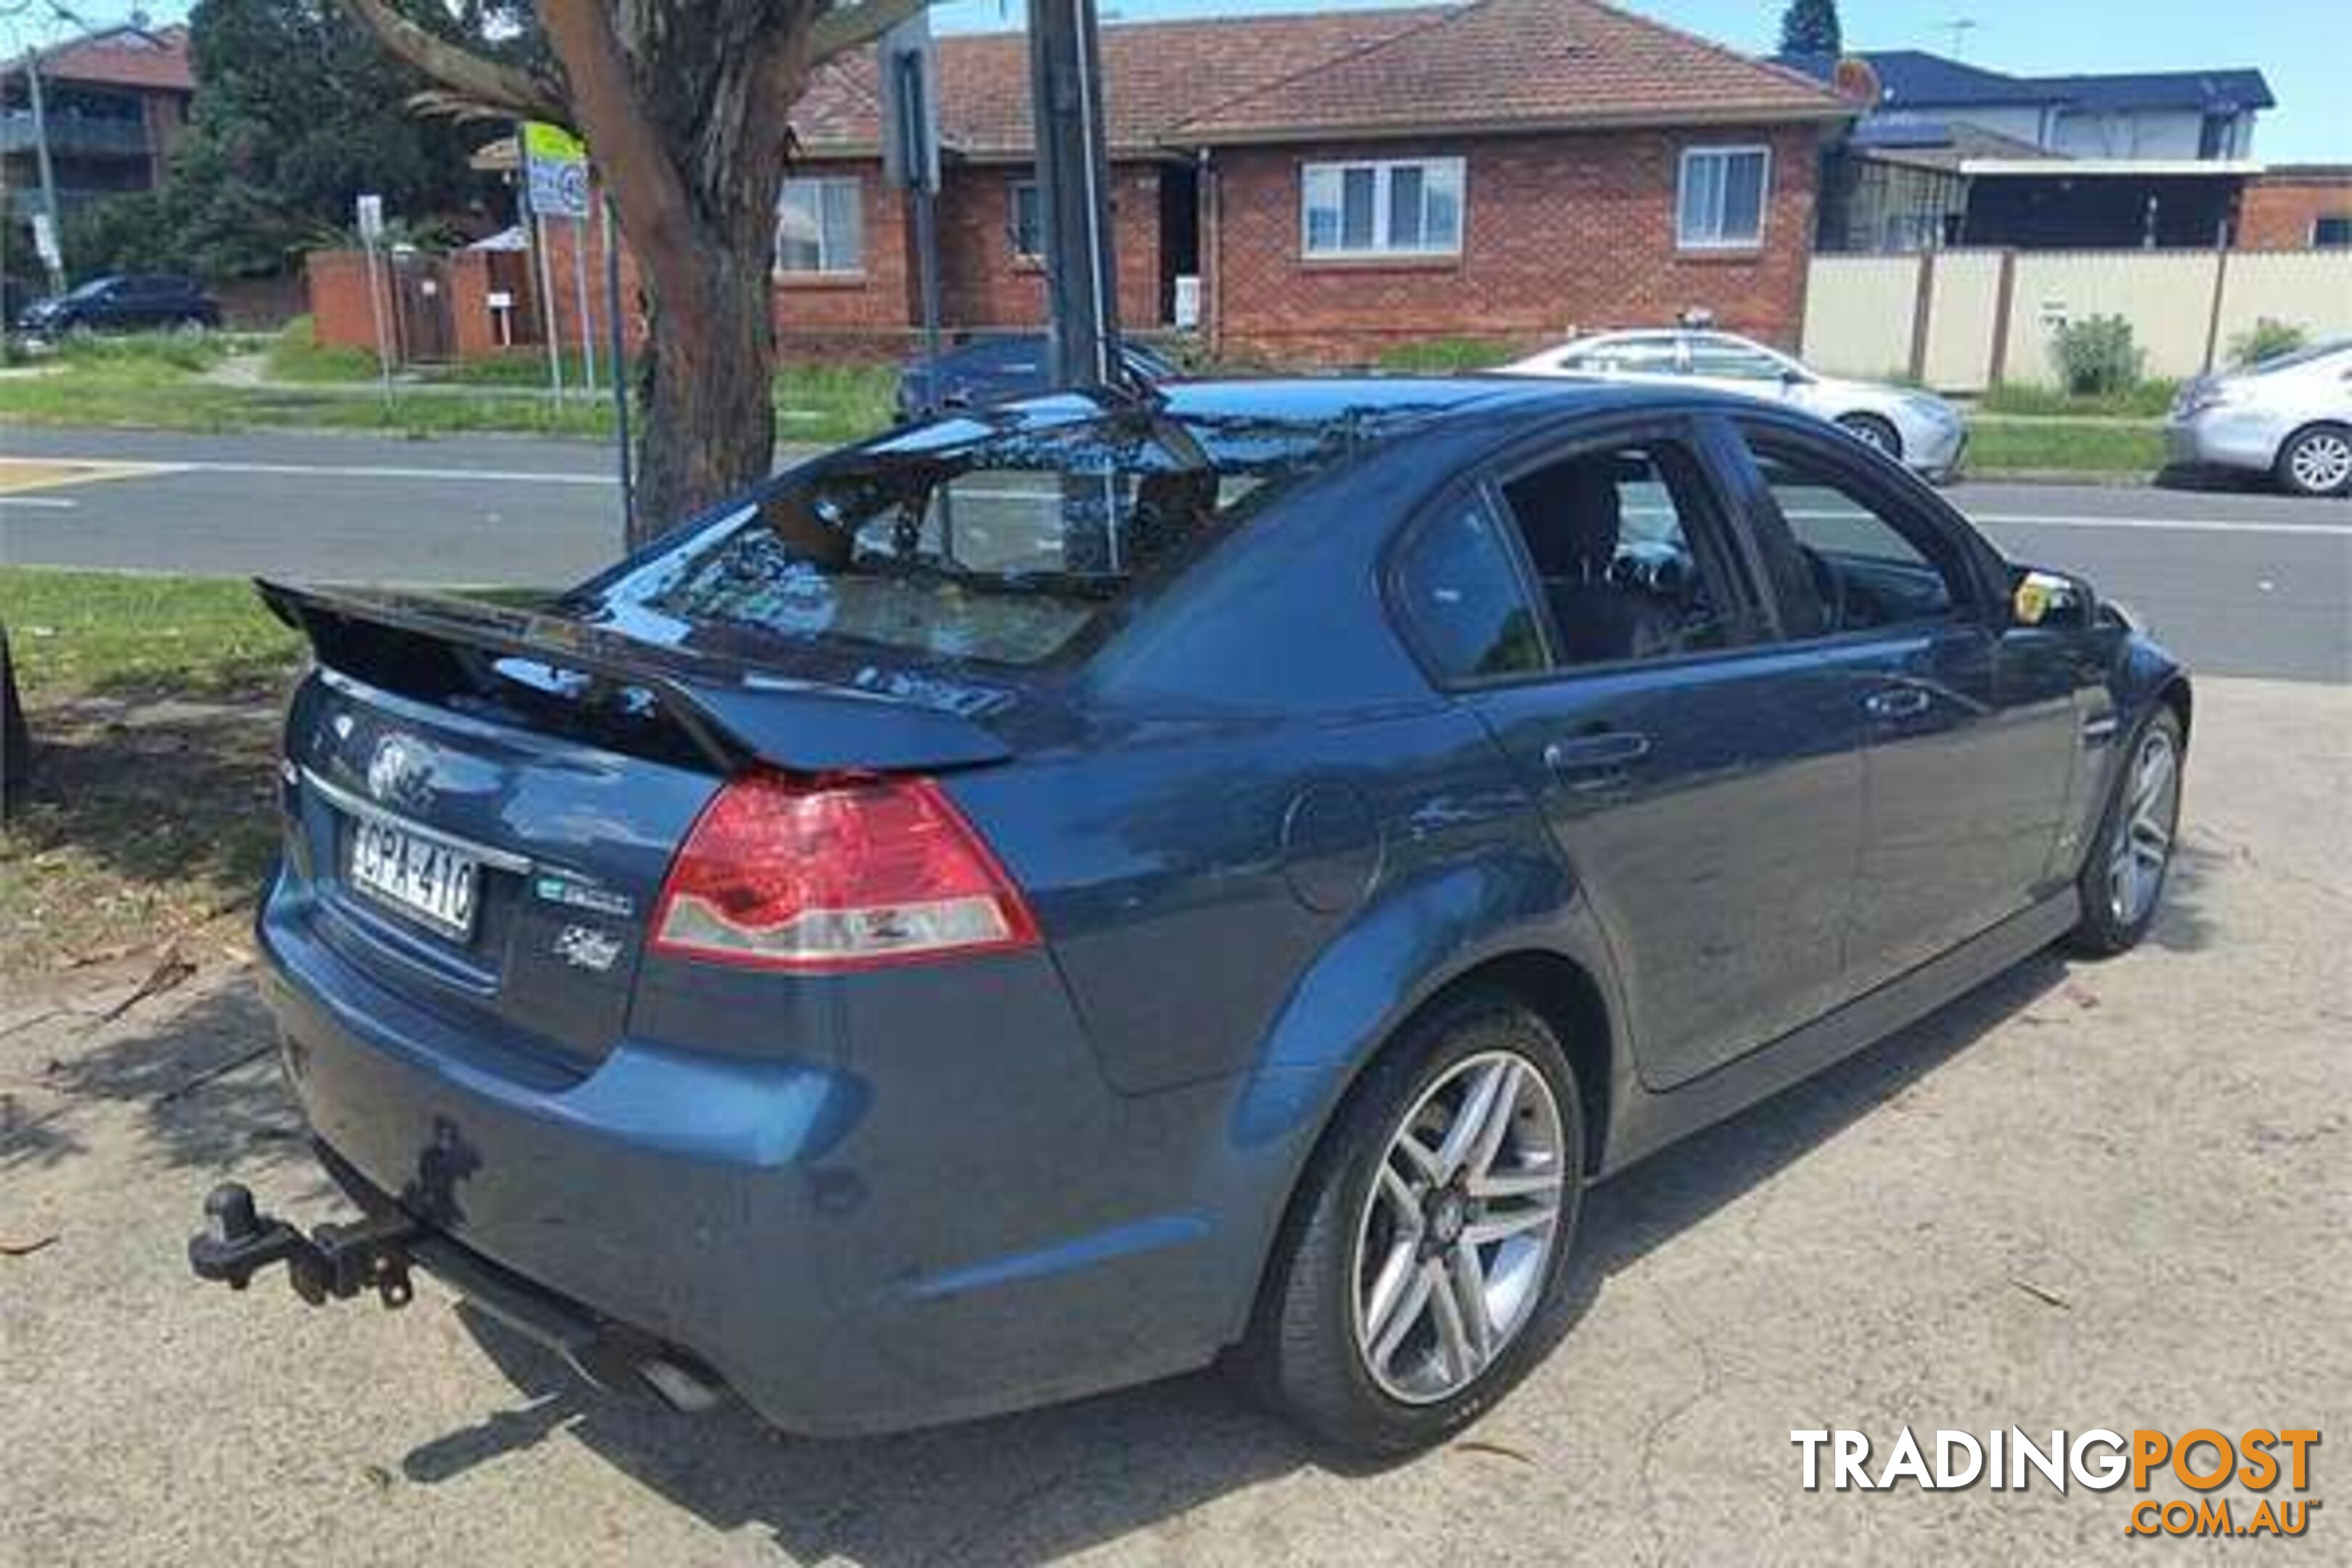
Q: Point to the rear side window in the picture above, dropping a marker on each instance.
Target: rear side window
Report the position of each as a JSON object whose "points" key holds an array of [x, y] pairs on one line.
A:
{"points": [[1463, 601], [995, 539]]}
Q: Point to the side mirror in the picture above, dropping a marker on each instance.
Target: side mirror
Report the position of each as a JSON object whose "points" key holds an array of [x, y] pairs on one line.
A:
{"points": [[1791, 376], [2050, 600]]}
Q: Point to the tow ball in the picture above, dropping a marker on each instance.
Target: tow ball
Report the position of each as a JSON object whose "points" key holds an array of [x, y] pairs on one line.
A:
{"points": [[333, 1262]]}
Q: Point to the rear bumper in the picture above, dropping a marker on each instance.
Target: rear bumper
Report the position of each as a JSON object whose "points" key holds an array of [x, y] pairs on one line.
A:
{"points": [[922, 1236]]}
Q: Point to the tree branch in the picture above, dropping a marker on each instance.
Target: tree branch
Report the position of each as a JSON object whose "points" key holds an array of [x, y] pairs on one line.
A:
{"points": [[847, 27], [466, 74]]}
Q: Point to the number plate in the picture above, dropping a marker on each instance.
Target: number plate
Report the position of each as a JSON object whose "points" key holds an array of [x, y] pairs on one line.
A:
{"points": [[422, 877]]}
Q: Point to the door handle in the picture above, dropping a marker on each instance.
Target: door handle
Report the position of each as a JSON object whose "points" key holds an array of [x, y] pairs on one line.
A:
{"points": [[1605, 750], [1897, 702]]}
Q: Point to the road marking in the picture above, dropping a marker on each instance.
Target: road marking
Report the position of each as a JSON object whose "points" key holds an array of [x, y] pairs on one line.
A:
{"points": [[18, 475], [339, 471], [47, 503], [2161, 524]]}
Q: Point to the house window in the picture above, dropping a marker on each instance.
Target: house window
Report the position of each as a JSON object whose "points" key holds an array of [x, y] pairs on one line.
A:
{"points": [[2333, 232], [820, 226], [1025, 220], [1720, 203], [1382, 209]]}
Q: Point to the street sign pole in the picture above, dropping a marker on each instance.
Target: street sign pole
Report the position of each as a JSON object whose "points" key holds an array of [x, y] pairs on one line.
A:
{"points": [[52, 253], [908, 69], [580, 293], [555, 185], [370, 213], [620, 377]]}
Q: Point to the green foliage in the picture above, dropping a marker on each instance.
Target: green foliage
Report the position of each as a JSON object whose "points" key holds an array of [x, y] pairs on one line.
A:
{"points": [[1810, 28], [297, 111], [2063, 445], [137, 353], [2141, 400], [128, 233], [2096, 356], [296, 354], [2266, 339], [1442, 356]]}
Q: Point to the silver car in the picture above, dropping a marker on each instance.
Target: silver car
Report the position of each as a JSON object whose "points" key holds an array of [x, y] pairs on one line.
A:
{"points": [[1915, 428], [2290, 417]]}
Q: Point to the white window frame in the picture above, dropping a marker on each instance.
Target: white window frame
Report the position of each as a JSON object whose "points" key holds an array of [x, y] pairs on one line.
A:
{"points": [[828, 265], [1383, 177], [1684, 239]]}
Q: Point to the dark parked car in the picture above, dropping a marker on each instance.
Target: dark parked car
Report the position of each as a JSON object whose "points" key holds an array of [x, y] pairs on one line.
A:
{"points": [[1044, 897], [137, 302], [997, 370]]}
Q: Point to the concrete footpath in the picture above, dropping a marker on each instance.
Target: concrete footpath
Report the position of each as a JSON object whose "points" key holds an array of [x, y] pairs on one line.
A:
{"points": [[2088, 1196]]}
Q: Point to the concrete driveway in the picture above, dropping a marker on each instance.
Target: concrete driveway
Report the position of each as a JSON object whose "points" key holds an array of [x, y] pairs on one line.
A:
{"points": [[2087, 1195]]}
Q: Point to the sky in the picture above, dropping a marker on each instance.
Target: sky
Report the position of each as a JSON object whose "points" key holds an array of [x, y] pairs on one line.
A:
{"points": [[2302, 46]]}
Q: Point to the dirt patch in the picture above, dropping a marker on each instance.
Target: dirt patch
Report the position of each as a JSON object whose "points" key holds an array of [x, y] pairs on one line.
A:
{"points": [[146, 822]]}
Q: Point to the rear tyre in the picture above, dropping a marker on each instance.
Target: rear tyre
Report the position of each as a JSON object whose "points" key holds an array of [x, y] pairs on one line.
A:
{"points": [[2121, 882], [1418, 1274], [2318, 462], [1873, 431]]}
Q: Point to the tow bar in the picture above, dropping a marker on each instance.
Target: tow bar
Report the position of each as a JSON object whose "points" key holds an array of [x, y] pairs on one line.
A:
{"points": [[333, 1262]]}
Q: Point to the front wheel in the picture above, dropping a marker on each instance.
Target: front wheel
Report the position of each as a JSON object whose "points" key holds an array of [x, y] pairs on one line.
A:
{"points": [[1412, 1283], [2318, 462], [2122, 878]]}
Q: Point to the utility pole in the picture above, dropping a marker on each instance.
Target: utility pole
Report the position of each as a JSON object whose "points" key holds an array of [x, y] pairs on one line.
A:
{"points": [[53, 256], [1073, 190]]}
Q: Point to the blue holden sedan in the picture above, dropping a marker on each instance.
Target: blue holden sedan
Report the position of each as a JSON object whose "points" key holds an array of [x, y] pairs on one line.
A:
{"points": [[1068, 893]]}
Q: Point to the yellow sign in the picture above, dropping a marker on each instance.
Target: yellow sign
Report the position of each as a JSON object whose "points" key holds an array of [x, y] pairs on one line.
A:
{"points": [[546, 143]]}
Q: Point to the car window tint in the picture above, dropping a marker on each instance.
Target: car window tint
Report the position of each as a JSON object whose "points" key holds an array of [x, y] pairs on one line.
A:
{"points": [[1464, 600], [1871, 565], [1633, 356], [1611, 535]]}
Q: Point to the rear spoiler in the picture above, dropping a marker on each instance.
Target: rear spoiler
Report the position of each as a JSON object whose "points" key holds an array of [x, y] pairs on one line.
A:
{"points": [[733, 714]]}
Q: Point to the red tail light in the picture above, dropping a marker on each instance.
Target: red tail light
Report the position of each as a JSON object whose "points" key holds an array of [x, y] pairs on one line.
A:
{"points": [[820, 874]]}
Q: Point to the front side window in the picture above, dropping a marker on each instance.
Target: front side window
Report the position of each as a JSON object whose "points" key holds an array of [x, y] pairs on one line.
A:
{"points": [[1720, 203], [1024, 221], [1463, 599], [820, 226], [1729, 359], [1870, 564], [1393, 208], [1654, 354]]}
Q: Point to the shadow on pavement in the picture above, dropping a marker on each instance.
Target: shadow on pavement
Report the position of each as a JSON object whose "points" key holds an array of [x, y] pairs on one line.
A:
{"points": [[1029, 1488]]}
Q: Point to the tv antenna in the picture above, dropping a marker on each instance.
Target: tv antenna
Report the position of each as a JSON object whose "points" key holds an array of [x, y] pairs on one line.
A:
{"points": [[1960, 27]]}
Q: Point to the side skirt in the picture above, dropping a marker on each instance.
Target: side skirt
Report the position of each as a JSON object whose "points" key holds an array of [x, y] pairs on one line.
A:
{"points": [[1652, 1119]]}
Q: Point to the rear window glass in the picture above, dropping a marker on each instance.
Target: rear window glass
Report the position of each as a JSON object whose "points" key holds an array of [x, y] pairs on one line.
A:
{"points": [[996, 537]]}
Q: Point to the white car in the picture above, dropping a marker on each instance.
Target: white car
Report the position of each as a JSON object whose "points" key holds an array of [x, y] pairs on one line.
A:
{"points": [[2290, 417], [1915, 428]]}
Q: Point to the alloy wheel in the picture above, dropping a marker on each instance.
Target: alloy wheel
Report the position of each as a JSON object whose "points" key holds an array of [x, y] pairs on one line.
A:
{"points": [[2322, 462], [1455, 1239], [2143, 845]]}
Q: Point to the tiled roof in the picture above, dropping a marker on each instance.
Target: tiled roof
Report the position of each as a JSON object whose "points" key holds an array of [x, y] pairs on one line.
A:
{"points": [[1504, 64], [1495, 64], [124, 56], [1154, 74]]}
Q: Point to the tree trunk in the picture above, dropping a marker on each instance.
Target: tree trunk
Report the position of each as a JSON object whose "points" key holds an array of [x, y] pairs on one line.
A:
{"points": [[711, 424], [16, 738]]}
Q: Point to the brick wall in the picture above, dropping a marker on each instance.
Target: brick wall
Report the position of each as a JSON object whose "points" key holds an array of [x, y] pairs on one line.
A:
{"points": [[340, 316], [983, 285], [1561, 233], [2278, 209], [819, 312]]}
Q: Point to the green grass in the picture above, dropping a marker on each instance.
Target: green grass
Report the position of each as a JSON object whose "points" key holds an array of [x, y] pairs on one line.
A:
{"points": [[1442, 356], [2149, 400], [156, 383], [2073, 445], [75, 634]]}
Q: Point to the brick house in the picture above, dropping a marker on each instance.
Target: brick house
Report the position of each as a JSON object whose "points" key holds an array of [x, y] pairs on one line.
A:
{"points": [[116, 105], [1508, 169]]}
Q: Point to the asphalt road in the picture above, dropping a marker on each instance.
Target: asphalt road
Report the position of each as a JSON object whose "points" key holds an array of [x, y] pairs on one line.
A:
{"points": [[2237, 583]]}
